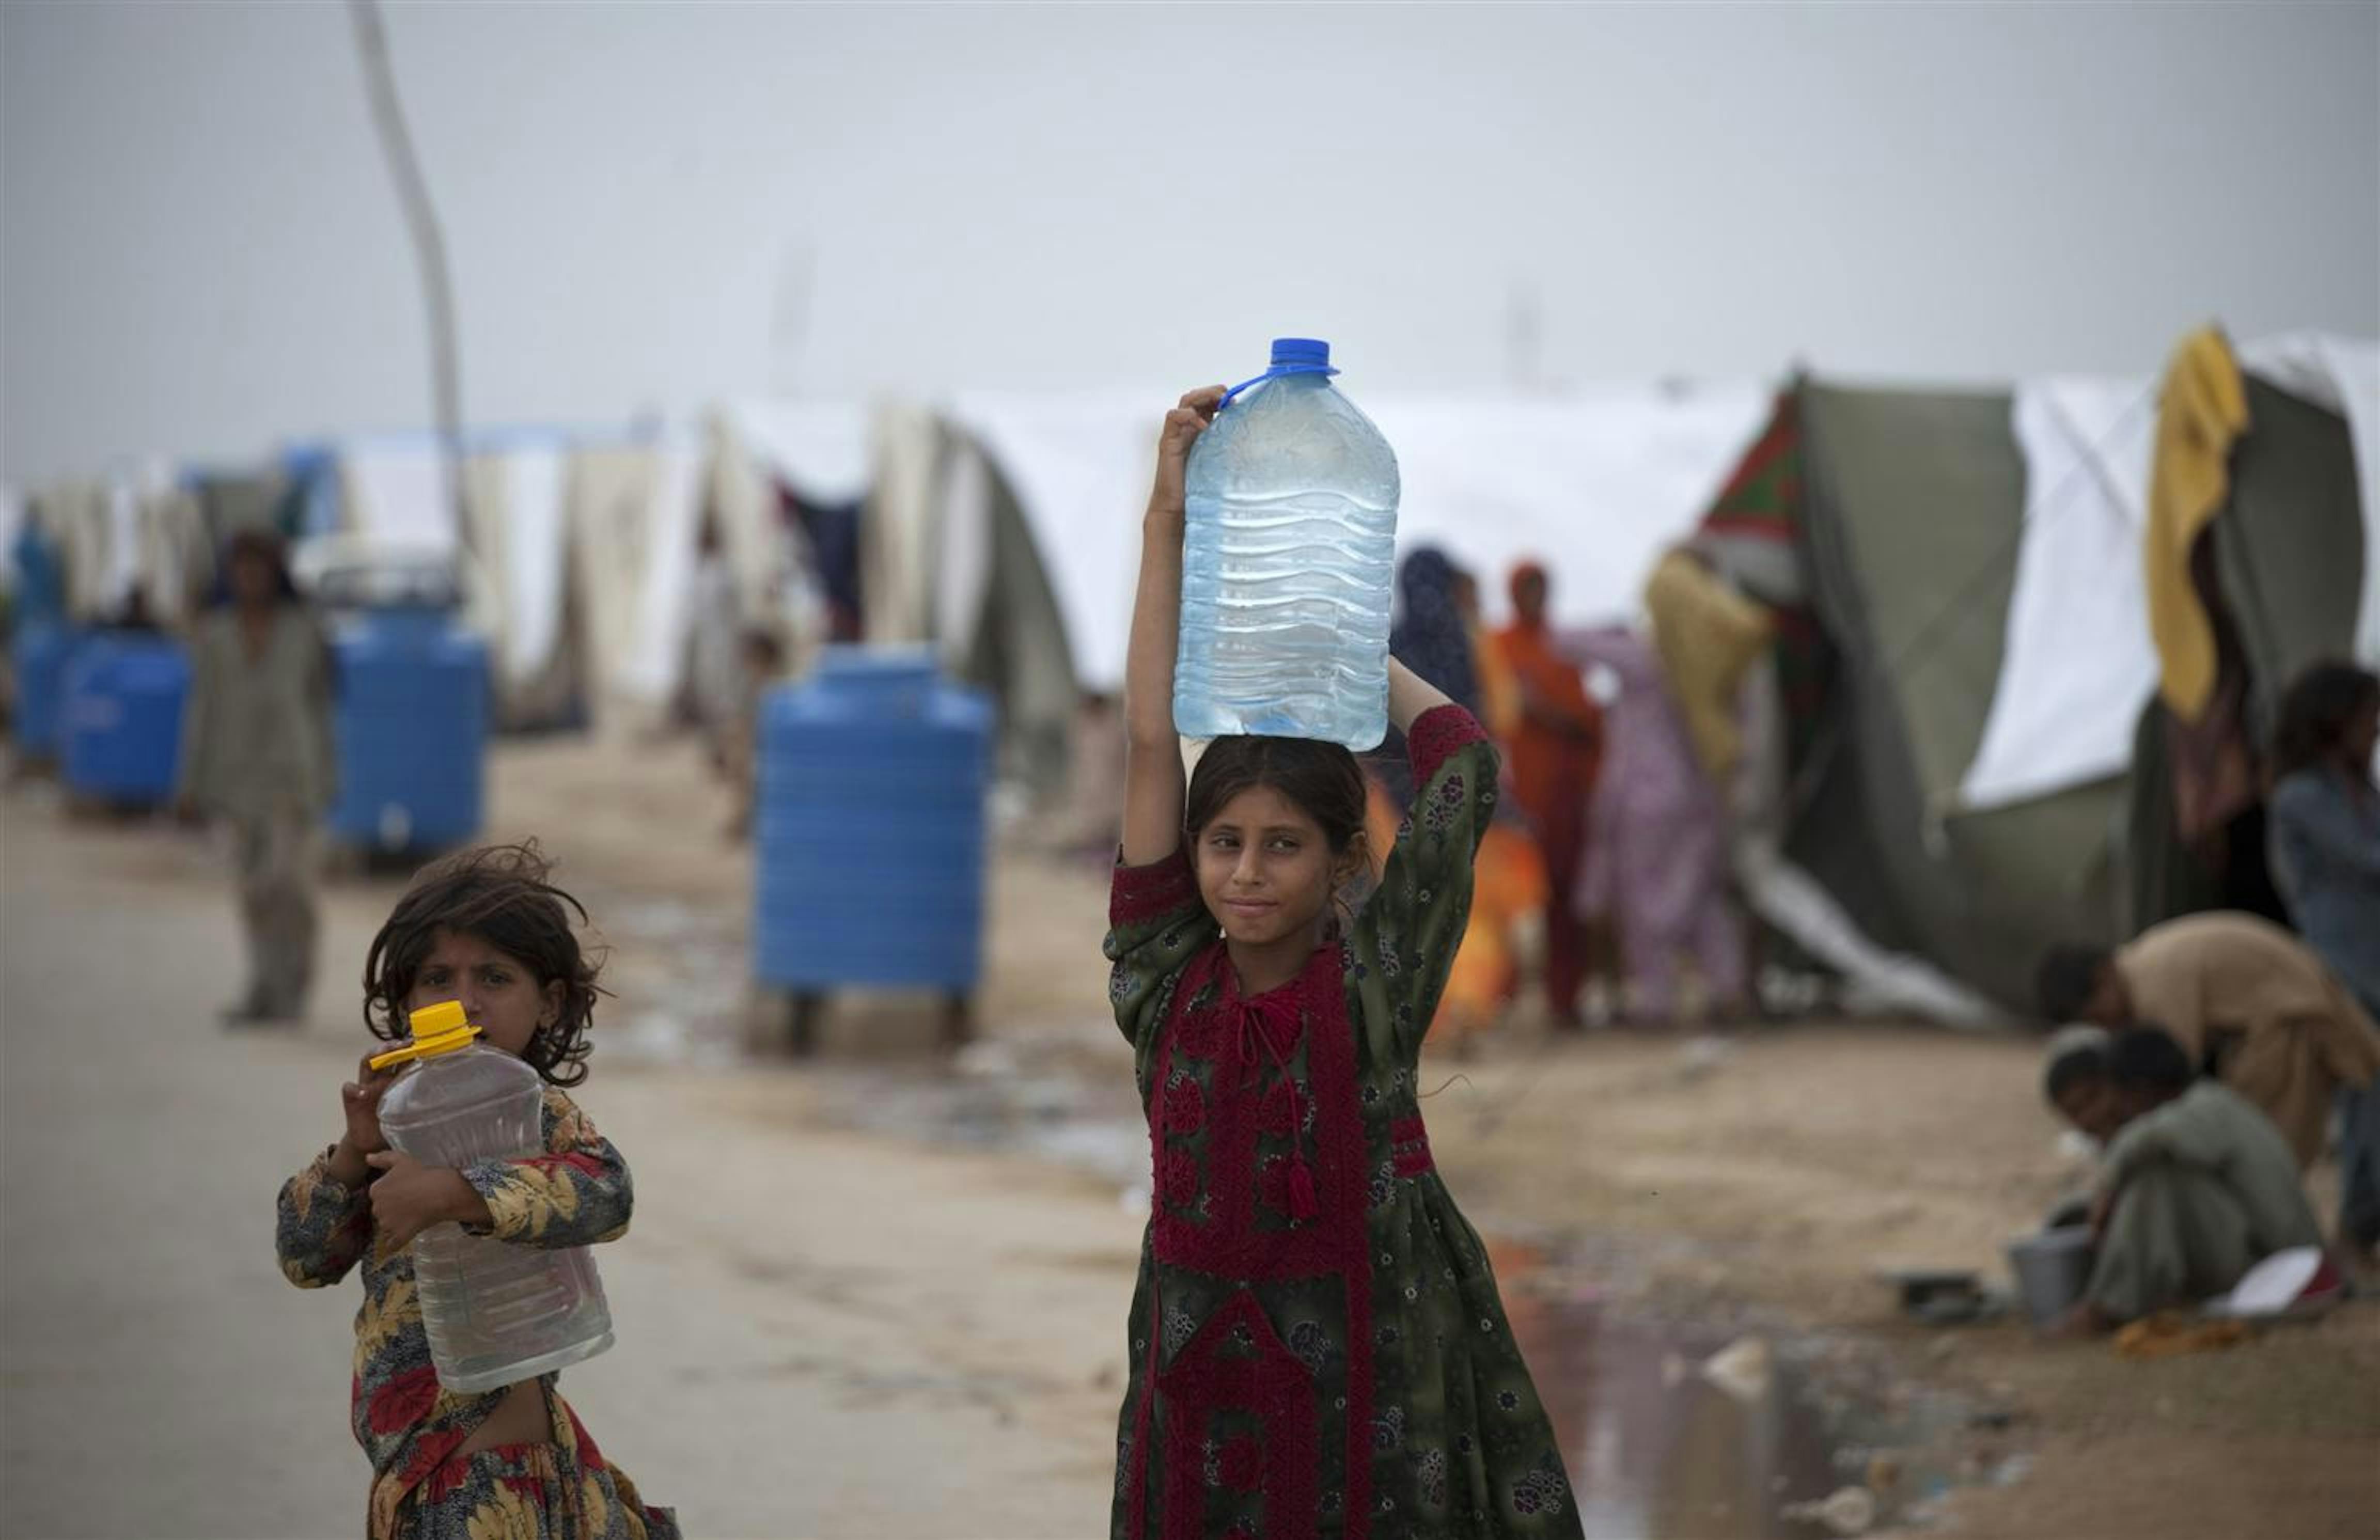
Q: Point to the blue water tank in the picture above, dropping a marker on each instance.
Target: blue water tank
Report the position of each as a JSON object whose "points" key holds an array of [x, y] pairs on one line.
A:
{"points": [[40, 650], [411, 728], [869, 837], [120, 716]]}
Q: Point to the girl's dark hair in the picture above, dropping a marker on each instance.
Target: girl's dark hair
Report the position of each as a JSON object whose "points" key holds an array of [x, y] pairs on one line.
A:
{"points": [[2315, 712], [1322, 779], [501, 894]]}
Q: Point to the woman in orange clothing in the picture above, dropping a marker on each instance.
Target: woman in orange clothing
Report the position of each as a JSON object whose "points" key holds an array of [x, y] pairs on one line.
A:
{"points": [[1554, 752], [1439, 622]]}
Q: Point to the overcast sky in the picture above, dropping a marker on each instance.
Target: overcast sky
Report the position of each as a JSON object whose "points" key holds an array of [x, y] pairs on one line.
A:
{"points": [[200, 256]]}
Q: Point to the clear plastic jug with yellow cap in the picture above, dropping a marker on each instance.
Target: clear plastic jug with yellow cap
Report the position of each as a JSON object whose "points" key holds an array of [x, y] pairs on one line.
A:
{"points": [[496, 1313]]}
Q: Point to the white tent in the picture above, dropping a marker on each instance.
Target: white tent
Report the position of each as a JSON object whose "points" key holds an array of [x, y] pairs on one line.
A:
{"points": [[1595, 483]]}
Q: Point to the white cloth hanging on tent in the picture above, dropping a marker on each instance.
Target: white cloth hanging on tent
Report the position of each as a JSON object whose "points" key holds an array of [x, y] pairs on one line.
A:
{"points": [[633, 523], [655, 664], [520, 545], [535, 477], [898, 537], [395, 492], [2078, 661], [2342, 374], [963, 568]]}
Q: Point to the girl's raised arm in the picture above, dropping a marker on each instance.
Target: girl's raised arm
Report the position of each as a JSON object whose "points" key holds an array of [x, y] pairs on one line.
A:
{"points": [[1152, 776], [1410, 697]]}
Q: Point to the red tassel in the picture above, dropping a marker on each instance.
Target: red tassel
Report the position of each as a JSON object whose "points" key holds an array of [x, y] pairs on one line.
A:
{"points": [[1302, 1204]]}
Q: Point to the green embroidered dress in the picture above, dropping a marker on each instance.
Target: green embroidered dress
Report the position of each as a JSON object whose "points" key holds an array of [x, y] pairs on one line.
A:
{"points": [[1318, 1347]]}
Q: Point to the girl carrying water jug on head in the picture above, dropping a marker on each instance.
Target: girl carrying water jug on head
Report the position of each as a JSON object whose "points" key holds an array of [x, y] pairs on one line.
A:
{"points": [[487, 930], [1316, 1343]]}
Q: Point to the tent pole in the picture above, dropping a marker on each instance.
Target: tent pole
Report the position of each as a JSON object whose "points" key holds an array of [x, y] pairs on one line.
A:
{"points": [[428, 248]]}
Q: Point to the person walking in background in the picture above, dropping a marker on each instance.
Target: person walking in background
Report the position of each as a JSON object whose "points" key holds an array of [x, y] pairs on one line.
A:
{"points": [[256, 754], [735, 747], [2324, 832], [1498, 709], [1555, 749], [1657, 862], [2248, 1002]]}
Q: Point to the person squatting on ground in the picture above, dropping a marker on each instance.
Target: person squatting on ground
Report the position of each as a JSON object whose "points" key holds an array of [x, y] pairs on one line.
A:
{"points": [[256, 754], [486, 929], [2245, 999], [1316, 1342], [2323, 831], [2196, 1186]]}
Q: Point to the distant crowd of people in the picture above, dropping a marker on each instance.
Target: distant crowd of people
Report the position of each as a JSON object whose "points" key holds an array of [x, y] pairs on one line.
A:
{"points": [[1610, 853]]}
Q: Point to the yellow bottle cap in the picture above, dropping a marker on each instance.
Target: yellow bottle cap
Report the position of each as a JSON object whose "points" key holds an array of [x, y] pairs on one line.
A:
{"points": [[437, 1029]]}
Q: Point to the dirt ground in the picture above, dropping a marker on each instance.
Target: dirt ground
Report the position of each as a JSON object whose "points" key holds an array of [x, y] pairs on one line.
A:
{"points": [[1756, 1181]]}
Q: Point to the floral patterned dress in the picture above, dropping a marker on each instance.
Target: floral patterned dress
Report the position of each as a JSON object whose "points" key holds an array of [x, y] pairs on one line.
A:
{"points": [[576, 1194], [1317, 1346]]}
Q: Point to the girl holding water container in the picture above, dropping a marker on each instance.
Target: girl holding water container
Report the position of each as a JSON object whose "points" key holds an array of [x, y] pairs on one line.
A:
{"points": [[484, 928], [1316, 1342]]}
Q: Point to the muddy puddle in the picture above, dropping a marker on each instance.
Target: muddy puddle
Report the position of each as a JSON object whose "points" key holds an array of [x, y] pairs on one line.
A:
{"points": [[1672, 1433]]}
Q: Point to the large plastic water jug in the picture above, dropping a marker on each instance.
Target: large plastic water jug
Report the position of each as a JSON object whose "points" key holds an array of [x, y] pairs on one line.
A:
{"points": [[496, 1313], [1286, 562]]}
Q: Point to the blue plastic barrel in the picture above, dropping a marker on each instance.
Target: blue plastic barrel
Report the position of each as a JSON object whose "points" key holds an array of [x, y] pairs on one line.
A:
{"points": [[120, 717], [40, 650], [411, 730], [869, 830]]}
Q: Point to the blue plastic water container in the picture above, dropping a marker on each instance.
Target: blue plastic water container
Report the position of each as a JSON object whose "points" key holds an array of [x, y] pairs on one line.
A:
{"points": [[40, 650], [411, 729], [120, 717], [869, 830]]}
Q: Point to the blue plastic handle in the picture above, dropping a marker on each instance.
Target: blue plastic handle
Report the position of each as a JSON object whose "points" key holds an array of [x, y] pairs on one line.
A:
{"points": [[1275, 372]]}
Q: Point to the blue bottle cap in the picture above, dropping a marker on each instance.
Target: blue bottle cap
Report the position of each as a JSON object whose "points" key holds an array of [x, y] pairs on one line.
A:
{"points": [[1308, 351]]}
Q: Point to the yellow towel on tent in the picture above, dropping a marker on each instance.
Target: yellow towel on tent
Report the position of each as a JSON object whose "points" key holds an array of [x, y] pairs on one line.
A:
{"points": [[1707, 635], [2202, 410]]}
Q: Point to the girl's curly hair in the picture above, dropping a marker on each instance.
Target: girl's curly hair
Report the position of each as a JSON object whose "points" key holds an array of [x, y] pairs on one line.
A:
{"points": [[501, 894]]}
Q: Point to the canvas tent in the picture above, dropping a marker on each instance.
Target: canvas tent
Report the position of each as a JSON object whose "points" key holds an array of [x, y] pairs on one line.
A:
{"points": [[1920, 520], [583, 547], [2289, 551]]}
